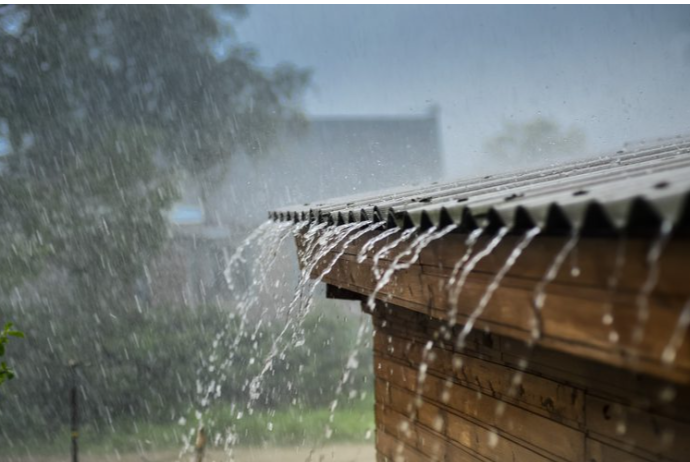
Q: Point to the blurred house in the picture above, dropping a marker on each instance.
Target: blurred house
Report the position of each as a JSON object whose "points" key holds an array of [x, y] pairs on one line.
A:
{"points": [[328, 157]]}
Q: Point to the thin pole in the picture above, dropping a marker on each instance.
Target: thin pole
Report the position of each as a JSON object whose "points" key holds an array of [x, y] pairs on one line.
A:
{"points": [[75, 412], [200, 445]]}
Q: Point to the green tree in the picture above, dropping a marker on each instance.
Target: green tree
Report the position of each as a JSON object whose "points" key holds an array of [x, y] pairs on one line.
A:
{"points": [[100, 107], [537, 138], [5, 372]]}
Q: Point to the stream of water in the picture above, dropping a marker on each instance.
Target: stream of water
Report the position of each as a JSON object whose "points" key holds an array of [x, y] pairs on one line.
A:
{"points": [[321, 248]]}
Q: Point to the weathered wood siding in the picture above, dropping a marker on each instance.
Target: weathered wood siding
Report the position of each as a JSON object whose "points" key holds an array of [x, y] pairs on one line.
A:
{"points": [[583, 394], [471, 407], [575, 305]]}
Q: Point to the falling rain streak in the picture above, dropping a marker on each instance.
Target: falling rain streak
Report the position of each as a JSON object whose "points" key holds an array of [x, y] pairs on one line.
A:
{"points": [[652, 260], [491, 288], [678, 336], [322, 246], [539, 297], [608, 318], [456, 288], [413, 251], [139, 145]]}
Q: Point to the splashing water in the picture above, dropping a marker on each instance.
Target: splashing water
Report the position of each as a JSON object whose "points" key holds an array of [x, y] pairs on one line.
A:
{"points": [[427, 353], [652, 260], [469, 246], [470, 241], [385, 250], [336, 235], [351, 364], [237, 256], [310, 241], [491, 288], [352, 360], [300, 305], [362, 254], [456, 289], [539, 297], [414, 249], [268, 239]]}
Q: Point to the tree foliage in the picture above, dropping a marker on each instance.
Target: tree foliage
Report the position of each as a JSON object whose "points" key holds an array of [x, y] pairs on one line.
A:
{"points": [[152, 370], [100, 108], [5, 372]]}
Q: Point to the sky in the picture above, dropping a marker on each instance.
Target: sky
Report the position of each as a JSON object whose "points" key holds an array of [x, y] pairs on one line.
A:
{"points": [[618, 73]]}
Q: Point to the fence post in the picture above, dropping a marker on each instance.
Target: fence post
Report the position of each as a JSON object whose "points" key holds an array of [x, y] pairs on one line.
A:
{"points": [[200, 445], [74, 424]]}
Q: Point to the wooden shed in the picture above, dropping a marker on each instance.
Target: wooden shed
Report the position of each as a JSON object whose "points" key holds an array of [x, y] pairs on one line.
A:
{"points": [[539, 316]]}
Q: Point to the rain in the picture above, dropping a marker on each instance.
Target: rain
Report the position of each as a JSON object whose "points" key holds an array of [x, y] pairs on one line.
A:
{"points": [[344, 233]]}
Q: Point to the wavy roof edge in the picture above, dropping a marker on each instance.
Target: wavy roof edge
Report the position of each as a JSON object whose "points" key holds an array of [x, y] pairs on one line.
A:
{"points": [[629, 192]]}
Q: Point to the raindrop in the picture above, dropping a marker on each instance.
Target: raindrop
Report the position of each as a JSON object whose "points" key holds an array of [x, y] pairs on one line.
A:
{"points": [[492, 440], [495, 283]]}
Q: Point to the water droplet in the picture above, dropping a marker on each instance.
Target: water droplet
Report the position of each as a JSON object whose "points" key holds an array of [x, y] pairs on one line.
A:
{"points": [[438, 423], [492, 439], [668, 436], [621, 428], [500, 408], [667, 394], [445, 396]]}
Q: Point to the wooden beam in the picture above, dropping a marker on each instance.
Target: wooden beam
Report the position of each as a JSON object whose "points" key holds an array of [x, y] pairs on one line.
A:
{"points": [[338, 293], [578, 300]]}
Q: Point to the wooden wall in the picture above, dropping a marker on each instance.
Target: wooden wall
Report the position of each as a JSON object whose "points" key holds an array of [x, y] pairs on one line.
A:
{"points": [[471, 407], [576, 303]]}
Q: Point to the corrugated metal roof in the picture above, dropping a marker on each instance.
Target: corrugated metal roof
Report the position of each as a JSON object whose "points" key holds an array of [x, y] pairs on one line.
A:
{"points": [[630, 192]]}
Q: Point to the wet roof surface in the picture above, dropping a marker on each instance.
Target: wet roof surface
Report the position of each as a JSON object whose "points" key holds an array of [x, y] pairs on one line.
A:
{"points": [[629, 191]]}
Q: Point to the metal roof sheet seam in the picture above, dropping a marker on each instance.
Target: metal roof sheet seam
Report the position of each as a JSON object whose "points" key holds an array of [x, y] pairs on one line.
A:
{"points": [[629, 192]]}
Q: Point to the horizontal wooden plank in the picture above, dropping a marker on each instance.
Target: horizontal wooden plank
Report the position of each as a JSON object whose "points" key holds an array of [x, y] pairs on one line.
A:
{"points": [[615, 414], [597, 379], [582, 315], [534, 431], [395, 450], [551, 399], [595, 259], [431, 444], [400, 426], [602, 452], [643, 432], [568, 318], [488, 443], [439, 446]]}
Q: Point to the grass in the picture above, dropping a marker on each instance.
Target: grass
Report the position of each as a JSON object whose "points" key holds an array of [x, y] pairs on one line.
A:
{"points": [[289, 427], [294, 426]]}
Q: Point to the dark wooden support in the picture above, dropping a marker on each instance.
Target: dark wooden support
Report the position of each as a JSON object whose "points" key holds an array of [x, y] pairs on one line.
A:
{"points": [[342, 294]]}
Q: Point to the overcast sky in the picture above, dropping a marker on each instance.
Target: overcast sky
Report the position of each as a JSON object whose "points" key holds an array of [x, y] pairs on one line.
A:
{"points": [[620, 73]]}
